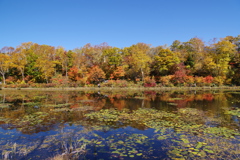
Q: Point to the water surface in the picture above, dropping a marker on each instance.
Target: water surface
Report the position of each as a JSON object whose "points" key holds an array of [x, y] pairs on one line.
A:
{"points": [[120, 125]]}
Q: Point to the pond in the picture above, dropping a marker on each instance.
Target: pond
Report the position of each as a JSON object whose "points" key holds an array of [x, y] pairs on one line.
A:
{"points": [[119, 124]]}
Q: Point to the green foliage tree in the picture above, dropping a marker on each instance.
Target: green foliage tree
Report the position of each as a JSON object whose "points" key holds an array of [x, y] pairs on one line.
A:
{"points": [[33, 55], [194, 54], [164, 62], [112, 59]]}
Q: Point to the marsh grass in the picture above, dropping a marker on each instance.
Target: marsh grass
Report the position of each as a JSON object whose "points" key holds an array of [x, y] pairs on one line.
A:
{"points": [[72, 150], [11, 153]]}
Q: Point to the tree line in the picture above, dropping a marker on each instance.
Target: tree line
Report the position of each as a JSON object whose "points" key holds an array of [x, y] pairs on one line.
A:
{"points": [[181, 63]]}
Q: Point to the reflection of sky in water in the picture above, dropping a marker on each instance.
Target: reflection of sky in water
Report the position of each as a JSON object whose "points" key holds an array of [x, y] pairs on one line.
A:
{"points": [[70, 125], [73, 133], [35, 142], [236, 119]]}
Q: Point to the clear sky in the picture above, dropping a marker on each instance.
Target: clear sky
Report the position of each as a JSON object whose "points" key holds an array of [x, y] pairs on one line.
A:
{"points": [[120, 23]]}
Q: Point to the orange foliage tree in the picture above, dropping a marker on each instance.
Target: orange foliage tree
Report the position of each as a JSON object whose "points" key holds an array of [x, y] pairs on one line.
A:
{"points": [[118, 73], [74, 74], [96, 75]]}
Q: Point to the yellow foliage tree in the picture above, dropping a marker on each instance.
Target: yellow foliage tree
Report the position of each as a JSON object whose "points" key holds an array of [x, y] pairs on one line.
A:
{"points": [[137, 60], [46, 67], [5, 63], [19, 59], [224, 50]]}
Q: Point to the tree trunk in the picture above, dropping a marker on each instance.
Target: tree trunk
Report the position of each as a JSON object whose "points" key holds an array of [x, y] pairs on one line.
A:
{"points": [[46, 78], [4, 79], [142, 74], [22, 72], [66, 72]]}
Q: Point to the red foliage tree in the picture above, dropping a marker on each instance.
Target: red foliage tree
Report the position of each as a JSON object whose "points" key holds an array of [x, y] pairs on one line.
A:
{"points": [[208, 79], [180, 76]]}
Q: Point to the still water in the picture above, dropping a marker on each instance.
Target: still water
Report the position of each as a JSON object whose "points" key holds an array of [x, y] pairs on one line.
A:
{"points": [[119, 125]]}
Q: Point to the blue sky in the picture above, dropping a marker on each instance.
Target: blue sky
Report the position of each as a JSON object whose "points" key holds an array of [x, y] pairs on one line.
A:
{"points": [[120, 23]]}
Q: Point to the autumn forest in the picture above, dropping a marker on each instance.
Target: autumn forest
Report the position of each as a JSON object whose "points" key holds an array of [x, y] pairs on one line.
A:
{"points": [[191, 63]]}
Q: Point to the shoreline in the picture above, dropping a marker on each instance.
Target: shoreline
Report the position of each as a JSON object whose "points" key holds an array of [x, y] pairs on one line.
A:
{"points": [[127, 88]]}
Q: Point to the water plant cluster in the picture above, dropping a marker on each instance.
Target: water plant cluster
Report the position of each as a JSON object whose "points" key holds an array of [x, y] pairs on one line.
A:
{"points": [[188, 138]]}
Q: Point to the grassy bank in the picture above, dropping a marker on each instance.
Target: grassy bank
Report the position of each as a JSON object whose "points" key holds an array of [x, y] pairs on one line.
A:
{"points": [[127, 88]]}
